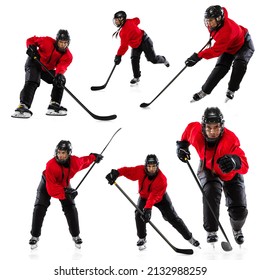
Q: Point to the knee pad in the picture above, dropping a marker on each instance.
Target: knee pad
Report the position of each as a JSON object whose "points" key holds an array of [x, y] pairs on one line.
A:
{"points": [[238, 213], [240, 64], [165, 218], [222, 69]]}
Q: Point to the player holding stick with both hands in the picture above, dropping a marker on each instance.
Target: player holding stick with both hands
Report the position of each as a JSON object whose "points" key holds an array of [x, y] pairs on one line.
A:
{"points": [[152, 192]]}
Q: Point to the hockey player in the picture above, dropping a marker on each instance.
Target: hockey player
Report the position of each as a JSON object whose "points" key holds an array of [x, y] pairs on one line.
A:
{"points": [[222, 165], [152, 190], [233, 44], [56, 56], [131, 35], [55, 182]]}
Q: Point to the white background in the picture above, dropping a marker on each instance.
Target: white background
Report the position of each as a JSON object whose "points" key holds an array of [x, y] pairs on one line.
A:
{"points": [[106, 217]]}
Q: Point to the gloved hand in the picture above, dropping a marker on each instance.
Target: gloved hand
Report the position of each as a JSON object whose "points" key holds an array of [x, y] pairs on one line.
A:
{"points": [[117, 59], [147, 214], [32, 52], [112, 176], [70, 193], [59, 81], [192, 60], [182, 150], [98, 157], [228, 163]]}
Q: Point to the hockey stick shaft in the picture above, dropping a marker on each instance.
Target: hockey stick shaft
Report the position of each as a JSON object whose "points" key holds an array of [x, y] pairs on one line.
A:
{"points": [[144, 105], [101, 118], [205, 198], [95, 162], [102, 87], [183, 251]]}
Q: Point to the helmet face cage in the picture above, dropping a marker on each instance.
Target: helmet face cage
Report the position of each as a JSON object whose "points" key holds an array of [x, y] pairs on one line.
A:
{"points": [[215, 12], [63, 145], [121, 16], [212, 115]]}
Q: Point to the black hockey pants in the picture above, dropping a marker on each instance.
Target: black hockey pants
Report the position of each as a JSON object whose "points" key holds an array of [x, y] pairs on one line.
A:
{"points": [[33, 76], [236, 203], [168, 213], [224, 62], [146, 46], [41, 205]]}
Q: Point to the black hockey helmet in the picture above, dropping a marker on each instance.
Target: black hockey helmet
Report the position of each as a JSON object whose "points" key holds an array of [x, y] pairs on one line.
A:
{"points": [[63, 145], [215, 12], [121, 16], [63, 35], [151, 159], [212, 115]]}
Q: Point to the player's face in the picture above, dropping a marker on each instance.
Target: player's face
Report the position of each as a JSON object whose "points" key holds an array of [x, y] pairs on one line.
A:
{"points": [[211, 23], [213, 130], [117, 22], [151, 168], [62, 45], [62, 155]]}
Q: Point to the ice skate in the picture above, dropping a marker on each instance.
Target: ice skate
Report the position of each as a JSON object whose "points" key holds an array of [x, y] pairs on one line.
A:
{"points": [[239, 237], [141, 244], [198, 96], [55, 109], [194, 242], [229, 95], [22, 112], [212, 238], [134, 82], [34, 242], [78, 241]]}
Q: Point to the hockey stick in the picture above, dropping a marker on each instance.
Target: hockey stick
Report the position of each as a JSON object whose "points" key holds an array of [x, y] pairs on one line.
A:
{"points": [[226, 246], [182, 251], [144, 105], [102, 87], [100, 118], [95, 162]]}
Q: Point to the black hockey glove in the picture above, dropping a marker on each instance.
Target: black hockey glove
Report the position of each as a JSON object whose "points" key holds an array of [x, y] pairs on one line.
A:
{"points": [[228, 163], [98, 157], [192, 60], [70, 193], [32, 52], [59, 81], [182, 150], [112, 176], [147, 214], [117, 59]]}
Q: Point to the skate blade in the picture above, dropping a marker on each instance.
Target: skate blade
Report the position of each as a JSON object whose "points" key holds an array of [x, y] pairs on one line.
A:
{"points": [[227, 99], [21, 115], [34, 246], [78, 246], [134, 85], [142, 247], [212, 244], [53, 113]]}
